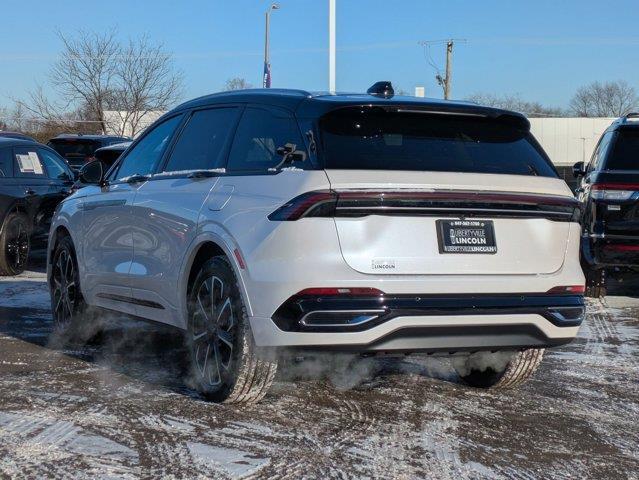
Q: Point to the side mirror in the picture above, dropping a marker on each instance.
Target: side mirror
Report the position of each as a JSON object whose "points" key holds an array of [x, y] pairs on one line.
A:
{"points": [[290, 154], [92, 173], [578, 170]]}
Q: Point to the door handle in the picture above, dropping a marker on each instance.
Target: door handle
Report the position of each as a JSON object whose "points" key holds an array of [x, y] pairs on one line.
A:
{"points": [[29, 192]]}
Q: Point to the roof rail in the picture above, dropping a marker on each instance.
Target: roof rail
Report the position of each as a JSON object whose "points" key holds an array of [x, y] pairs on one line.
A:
{"points": [[631, 116]]}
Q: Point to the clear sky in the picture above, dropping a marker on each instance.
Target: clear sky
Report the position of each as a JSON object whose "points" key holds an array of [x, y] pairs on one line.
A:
{"points": [[542, 50]]}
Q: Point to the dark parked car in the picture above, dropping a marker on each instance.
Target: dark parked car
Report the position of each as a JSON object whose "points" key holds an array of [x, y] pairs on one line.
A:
{"points": [[108, 155], [609, 192], [33, 180], [18, 135], [78, 150]]}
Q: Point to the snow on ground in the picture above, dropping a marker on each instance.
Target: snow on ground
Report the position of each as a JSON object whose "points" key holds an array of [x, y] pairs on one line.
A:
{"points": [[121, 409]]}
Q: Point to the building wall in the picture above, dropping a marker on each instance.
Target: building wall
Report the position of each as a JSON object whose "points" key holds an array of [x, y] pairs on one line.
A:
{"points": [[569, 140], [115, 120]]}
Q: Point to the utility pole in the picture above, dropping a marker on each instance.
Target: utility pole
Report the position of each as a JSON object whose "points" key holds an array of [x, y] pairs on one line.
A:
{"points": [[446, 81], [266, 79], [331, 45], [449, 67]]}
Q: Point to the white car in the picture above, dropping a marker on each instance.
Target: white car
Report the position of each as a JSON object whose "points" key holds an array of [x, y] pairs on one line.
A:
{"points": [[262, 219]]}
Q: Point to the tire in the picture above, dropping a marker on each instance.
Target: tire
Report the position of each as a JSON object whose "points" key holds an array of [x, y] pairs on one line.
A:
{"points": [[15, 244], [71, 315], [226, 365], [508, 374], [595, 283]]}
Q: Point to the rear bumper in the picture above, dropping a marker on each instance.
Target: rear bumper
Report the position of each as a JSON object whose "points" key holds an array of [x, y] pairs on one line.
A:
{"points": [[603, 251], [428, 324]]}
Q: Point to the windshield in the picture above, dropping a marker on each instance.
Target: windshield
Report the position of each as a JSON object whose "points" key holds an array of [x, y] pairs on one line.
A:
{"points": [[74, 148], [374, 138], [625, 152]]}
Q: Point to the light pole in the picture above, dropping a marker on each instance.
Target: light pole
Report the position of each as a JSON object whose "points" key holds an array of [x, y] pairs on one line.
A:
{"points": [[331, 45], [266, 80]]}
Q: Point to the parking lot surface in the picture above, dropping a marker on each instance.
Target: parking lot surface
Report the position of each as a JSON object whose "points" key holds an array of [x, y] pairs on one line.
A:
{"points": [[122, 408]]}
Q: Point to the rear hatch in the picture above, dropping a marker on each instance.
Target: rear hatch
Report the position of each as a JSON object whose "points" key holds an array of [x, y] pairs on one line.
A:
{"points": [[615, 190], [76, 151], [430, 193]]}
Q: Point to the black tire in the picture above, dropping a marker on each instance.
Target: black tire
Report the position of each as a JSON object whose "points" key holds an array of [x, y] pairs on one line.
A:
{"points": [[15, 244], [595, 283], [516, 371], [71, 315], [226, 364]]}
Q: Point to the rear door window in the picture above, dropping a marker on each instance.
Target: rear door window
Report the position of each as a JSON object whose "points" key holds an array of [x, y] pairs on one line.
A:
{"points": [[374, 138], [624, 154], [258, 136], [27, 163], [6, 162], [202, 141]]}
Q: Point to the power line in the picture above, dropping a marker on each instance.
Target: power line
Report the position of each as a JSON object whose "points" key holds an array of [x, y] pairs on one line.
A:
{"points": [[444, 81]]}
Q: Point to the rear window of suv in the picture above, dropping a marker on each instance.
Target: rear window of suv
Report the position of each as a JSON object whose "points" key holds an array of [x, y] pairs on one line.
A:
{"points": [[73, 148], [625, 151], [374, 138]]}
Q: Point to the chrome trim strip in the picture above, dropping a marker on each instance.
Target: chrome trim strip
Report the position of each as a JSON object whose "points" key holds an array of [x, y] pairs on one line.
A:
{"points": [[361, 322]]}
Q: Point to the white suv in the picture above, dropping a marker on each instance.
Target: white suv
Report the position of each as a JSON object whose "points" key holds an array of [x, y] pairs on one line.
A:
{"points": [[360, 223]]}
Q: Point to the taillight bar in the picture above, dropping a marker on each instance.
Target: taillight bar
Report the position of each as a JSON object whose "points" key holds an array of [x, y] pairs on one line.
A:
{"points": [[614, 191], [358, 203]]}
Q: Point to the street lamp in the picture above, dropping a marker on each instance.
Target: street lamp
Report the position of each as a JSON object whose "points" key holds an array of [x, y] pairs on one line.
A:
{"points": [[266, 81]]}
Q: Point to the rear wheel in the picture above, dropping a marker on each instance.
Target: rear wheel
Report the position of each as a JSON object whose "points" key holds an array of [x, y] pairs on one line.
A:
{"points": [[14, 245], [226, 364], [499, 369]]}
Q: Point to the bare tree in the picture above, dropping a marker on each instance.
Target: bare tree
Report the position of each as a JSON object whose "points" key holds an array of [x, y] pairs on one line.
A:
{"points": [[517, 104], [96, 73], [608, 99], [146, 81], [237, 83]]}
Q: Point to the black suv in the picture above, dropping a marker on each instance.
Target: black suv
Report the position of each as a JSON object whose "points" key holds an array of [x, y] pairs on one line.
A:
{"points": [[609, 192], [80, 149], [33, 180]]}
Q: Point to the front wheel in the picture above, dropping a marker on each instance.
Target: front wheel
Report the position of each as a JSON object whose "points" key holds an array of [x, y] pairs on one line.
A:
{"points": [[67, 303], [226, 364], [499, 369]]}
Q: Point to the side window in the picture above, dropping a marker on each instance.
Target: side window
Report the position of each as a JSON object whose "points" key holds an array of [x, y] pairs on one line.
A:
{"points": [[54, 165], [28, 163], [600, 151], [6, 162], [145, 156], [259, 135], [202, 141]]}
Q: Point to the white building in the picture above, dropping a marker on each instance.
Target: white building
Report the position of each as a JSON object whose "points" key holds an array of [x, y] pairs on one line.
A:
{"points": [[121, 123], [569, 140]]}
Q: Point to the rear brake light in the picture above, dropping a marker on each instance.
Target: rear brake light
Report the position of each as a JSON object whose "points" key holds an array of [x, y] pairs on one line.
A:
{"points": [[319, 203], [568, 289], [614, 191], [333, 291], [358, 203]]}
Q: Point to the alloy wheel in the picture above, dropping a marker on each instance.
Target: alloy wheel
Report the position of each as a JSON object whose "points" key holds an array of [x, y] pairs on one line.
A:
{"points": [[64, 289], [213, 329], [17, 246]]}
